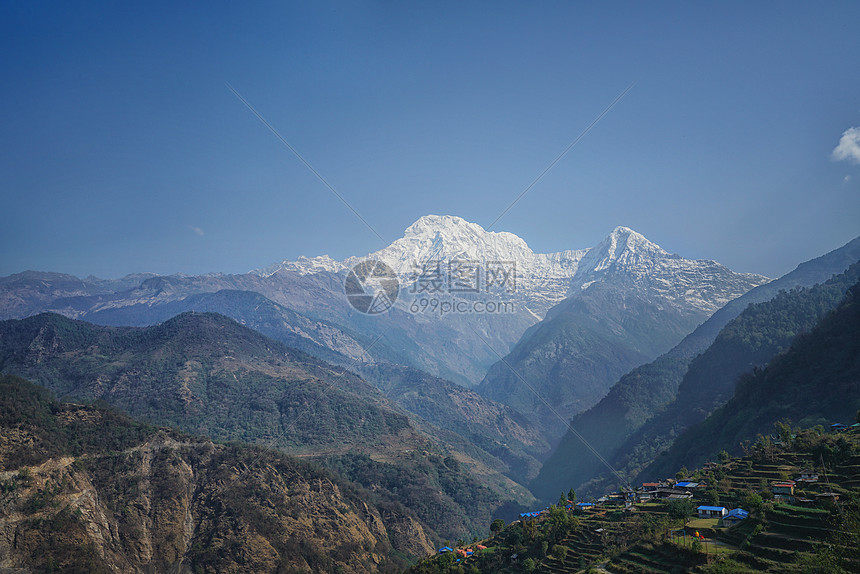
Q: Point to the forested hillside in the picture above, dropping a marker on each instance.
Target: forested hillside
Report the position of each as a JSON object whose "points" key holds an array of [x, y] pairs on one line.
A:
{"points": [[208, 375], [751, 340], [816, 382]]}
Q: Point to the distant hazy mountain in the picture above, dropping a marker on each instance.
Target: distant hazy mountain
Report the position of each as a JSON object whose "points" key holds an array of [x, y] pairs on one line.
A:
{"points": [[629, 302], [320, 338], [31, 292], [615, 425], [816, 381], [206, 374]]}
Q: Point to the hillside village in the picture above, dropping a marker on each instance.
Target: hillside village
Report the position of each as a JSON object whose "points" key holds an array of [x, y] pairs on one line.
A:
{"points": [[791, 504]]}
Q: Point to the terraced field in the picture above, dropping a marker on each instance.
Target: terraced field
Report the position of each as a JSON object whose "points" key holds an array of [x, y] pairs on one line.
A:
{"points": [[776, 537]]}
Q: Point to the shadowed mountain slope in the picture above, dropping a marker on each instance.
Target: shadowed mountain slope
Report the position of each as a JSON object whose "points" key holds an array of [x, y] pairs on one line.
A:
{"points": [[816, 381], [611, 426]]}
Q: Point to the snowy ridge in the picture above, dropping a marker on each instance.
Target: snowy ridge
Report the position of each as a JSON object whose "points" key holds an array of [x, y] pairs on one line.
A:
{"points": [[542, 279], [451, 238], [624, 257], [304, 266], [628, 258]]}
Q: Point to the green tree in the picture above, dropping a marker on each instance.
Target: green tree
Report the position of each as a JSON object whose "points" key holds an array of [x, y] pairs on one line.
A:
{"points": [[559, 551], [529, 565], [25, 477], [571, 494], [682, 473], [723, 456], [763, 449], [562, 501], [497, 526], [681, 508], [825, 560], [530, 529], [712, 496], [751, 502], [783, 430]]}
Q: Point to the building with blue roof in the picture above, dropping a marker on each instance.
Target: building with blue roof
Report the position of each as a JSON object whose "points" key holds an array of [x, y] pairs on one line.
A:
{"points": [[734, 516], [712, 511]]}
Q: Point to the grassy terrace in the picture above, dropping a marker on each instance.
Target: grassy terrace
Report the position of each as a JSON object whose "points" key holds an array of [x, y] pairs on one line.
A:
{"points": [[776, 537]]}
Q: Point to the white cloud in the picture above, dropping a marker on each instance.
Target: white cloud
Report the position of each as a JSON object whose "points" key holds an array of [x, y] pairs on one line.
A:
{"points": [[849, 146], [847, 178], [197, 230]]}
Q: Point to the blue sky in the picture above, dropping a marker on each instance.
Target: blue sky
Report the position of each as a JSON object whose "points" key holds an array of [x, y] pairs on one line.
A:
{"points": [[123, 149]]}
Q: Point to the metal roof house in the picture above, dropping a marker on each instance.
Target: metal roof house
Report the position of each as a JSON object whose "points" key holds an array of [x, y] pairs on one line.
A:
{"points": [[807, 476], [734, 516], [712, 511], [784, 487]]}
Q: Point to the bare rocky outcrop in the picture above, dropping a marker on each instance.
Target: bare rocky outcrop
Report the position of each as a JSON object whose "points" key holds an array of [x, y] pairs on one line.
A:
{"points": [[169, 505]]}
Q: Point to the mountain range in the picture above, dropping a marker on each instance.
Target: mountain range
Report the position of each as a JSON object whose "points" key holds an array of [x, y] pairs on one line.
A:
{"points": [[578, 320], [815, 381], [455, 346], [206, 374]]}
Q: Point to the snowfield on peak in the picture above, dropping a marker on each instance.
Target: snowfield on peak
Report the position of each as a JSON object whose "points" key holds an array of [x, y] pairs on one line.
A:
{"points": [[627, 258], [444, 238], [544, 279]]}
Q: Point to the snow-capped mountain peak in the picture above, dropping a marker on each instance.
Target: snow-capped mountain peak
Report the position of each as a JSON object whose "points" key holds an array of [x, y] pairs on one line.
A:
{"points": [[624, 257], [623, 248], [448, 237], [627, 258]]}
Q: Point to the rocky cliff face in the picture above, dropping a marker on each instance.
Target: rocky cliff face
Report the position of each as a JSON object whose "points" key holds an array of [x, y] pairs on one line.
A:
{"points": [[177, 504]]}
